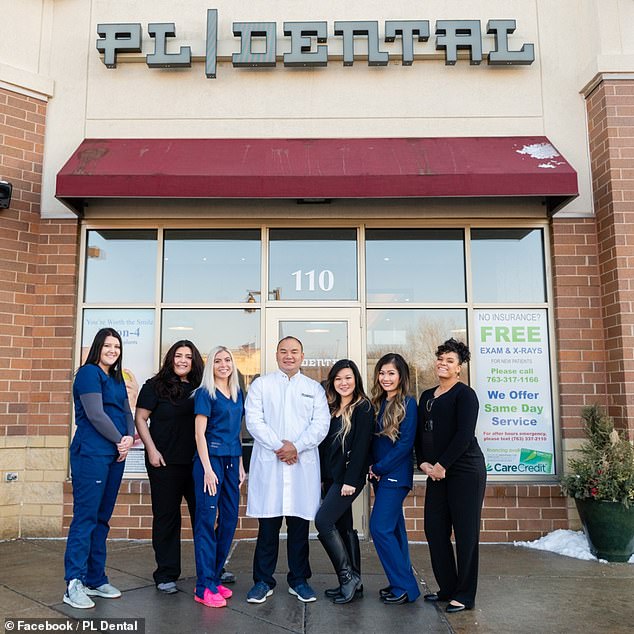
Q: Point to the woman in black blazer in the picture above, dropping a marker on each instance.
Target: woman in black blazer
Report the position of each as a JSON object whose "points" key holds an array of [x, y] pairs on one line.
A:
{"points": [[448, 454], [344, 455]]}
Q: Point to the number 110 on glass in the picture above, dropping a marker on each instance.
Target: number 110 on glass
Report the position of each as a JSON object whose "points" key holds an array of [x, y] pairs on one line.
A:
{"points": [[305, 280]]}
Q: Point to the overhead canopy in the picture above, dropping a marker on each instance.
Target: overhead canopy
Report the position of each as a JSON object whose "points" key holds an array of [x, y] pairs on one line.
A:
{"points": [[317, 169]]}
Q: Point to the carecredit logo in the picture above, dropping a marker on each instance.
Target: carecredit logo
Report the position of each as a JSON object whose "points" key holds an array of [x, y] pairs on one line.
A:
{"points": [[531, 461]]}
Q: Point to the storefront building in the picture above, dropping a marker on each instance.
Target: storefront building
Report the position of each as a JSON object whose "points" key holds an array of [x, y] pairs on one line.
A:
{"points": [[369, 178]]}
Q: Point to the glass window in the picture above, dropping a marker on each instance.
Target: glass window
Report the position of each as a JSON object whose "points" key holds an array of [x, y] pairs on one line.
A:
{"points": [[415, 265], [136, 327], [325, 342], [220, 265], [236, 329], [317, 264], [120, 265], [507, 265], [415, 334]]}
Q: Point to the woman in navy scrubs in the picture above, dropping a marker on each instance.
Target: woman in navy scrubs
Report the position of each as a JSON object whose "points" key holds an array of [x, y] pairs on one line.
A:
{"points": [[449, 455], [166, 400], [392, 473], [218, 473], [344, 457], [105, 433]]}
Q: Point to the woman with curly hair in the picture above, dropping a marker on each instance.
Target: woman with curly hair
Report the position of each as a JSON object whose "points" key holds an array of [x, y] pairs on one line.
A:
{"points": [[166, 401], [344, 457], [448, 454], [392, 473]]}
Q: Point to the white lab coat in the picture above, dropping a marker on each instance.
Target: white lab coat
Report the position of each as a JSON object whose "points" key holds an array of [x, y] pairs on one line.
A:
{"points": [[277, 409]]}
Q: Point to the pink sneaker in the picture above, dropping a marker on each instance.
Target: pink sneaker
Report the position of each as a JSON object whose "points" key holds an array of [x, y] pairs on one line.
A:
{"points": [[224, 592], [211, 599]]}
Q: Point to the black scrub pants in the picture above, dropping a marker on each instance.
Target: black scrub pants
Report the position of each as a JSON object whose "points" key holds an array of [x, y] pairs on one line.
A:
{"points": [[267, 550], [169, 485], [455, 503]]}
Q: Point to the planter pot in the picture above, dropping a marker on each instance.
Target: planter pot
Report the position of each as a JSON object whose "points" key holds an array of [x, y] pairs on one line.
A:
{"points": [[609, 528]]}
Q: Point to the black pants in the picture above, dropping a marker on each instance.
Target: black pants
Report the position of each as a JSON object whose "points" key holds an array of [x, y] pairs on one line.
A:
{"points": [[169, 485], [455, 503], [267, 549], [335, 510]]}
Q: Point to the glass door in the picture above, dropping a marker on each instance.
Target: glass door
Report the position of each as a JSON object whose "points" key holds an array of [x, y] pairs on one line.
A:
{"points": [[327, 334]]}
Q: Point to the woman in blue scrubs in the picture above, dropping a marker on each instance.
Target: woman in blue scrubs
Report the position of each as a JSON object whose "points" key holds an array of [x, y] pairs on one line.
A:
{"points": [[218, 473], [105, 433], [392, 473]]}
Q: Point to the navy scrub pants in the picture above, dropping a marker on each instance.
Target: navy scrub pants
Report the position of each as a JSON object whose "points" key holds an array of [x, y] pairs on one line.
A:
{"points": [[96, 481], [387, 526], [212, 540], [268, 545]]}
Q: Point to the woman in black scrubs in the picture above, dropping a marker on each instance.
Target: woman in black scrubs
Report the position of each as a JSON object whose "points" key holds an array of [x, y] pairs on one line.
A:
{"points": [[449, 455], [344, 455], [169, 449]]}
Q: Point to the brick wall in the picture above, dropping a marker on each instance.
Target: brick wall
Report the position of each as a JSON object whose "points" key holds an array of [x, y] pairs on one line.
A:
{"points": [[38, 276], [610, 109], [511, 512], [578, 320]]}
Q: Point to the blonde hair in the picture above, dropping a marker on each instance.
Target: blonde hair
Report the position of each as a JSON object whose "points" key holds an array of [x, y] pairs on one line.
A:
{"points": [[208, 381], [394, 411]]}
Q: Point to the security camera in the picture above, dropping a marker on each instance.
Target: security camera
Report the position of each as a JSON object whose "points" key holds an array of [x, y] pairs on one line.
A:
{"points": [[5, 194]]}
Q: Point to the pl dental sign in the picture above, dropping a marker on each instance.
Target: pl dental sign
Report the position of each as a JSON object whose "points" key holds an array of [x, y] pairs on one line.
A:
{"points": [[309, 42]]}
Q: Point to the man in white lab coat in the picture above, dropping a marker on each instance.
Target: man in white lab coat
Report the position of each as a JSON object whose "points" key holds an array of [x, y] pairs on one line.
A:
{"points": [[287, 414]]}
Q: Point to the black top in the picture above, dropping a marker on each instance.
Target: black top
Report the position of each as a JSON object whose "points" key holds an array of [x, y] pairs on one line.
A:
{"points": [[446, 428], [171, 423], [350, 465]]}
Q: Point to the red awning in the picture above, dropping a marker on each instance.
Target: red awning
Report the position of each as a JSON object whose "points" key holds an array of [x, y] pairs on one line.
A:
{"points": [[317, 169]]}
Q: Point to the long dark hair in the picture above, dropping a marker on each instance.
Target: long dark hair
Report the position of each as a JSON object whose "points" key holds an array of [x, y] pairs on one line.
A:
{"points": [[94, 354], [394, 412], [334, 398], [168, 385]]}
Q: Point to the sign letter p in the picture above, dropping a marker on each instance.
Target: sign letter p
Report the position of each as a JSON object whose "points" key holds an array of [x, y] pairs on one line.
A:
{"points": [[118, 38]]}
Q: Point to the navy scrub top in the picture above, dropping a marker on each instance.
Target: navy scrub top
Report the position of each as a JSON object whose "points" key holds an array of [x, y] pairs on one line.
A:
{"points": [[91, 379], [224, 421]]}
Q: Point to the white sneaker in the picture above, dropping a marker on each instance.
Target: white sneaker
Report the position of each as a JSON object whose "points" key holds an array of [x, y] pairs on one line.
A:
{"points": [[105, 591], [76, 595]]}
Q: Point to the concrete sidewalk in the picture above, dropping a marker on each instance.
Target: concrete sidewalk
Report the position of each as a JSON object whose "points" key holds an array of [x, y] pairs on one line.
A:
{"points": [[520, 590]]}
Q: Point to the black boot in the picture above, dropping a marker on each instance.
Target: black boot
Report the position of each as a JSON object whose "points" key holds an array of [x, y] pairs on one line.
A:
{"points": [[331, 593], [351, 542], [348, 579], [354, 551]]}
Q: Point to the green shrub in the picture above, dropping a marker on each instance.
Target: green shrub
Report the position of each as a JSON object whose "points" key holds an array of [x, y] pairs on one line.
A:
{"points": [[605, 470]]}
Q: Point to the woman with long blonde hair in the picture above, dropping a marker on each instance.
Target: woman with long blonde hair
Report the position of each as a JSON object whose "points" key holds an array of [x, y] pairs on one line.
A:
{"points": [[392, 474], [218, 473], [344, 455]]}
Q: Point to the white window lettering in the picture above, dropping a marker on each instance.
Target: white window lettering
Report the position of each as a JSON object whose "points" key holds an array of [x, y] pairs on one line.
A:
{"points": [[325, 280]]}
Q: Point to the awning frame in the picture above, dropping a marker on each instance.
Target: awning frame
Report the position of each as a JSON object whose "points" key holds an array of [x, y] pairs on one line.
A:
{"points": [[317, 169]]}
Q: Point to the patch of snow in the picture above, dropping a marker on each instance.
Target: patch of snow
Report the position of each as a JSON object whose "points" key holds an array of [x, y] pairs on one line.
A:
{"points": [[539, 151], [547, 165], [565, 542]]}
